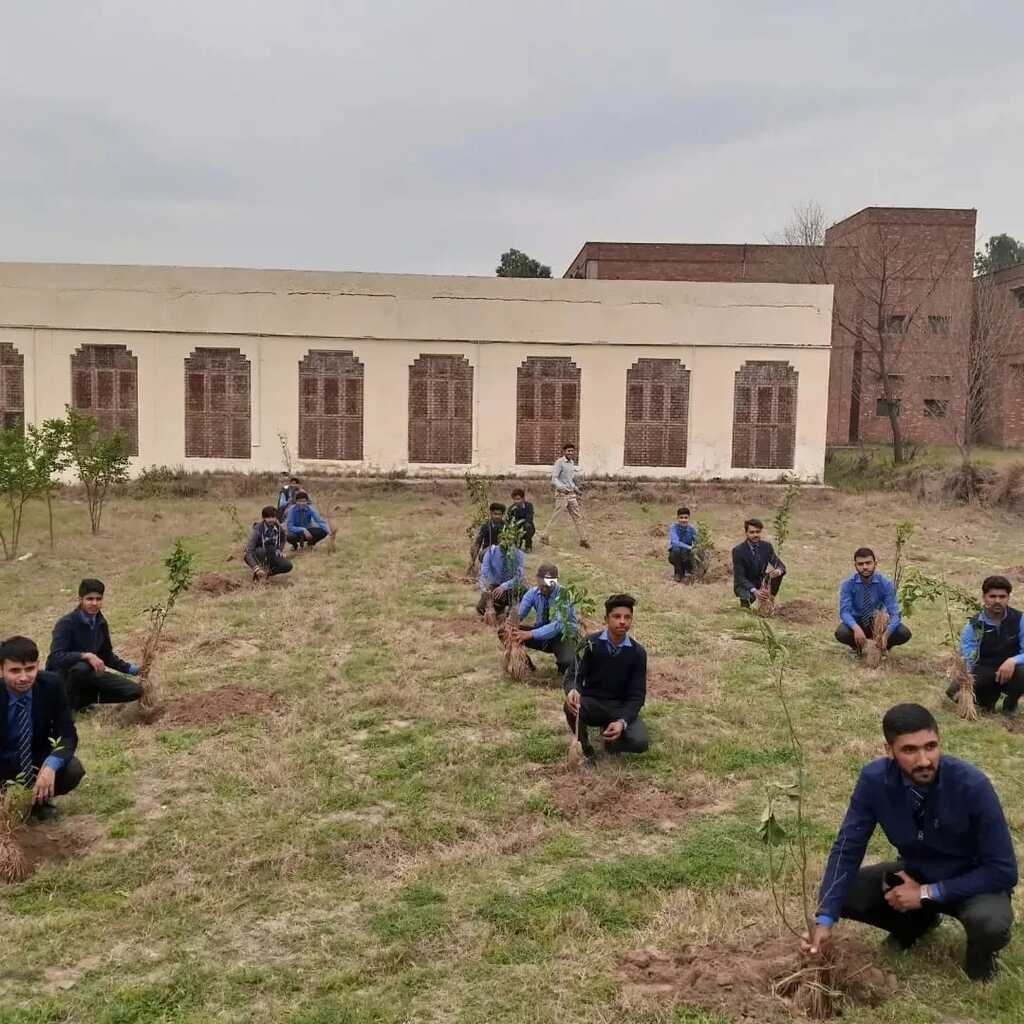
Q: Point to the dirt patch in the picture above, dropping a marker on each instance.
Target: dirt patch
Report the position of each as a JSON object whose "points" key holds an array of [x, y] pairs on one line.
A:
{"points": [[457, 627], [751, 983], [607, 797], [679, 680], [56, 842], [449, 576], [216, 584], [226, 703], [804, 613]]}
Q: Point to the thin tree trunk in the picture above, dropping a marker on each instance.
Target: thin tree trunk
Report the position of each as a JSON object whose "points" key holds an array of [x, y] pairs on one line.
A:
{"points": [[49, 512]]}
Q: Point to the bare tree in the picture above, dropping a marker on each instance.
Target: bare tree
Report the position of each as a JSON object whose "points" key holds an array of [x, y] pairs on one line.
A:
{"points": [[806, 226]]}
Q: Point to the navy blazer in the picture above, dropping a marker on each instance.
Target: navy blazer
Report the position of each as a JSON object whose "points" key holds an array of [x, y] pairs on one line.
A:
{"points": [[749, 566], [73, 636], [51, 718], [962, 840]]}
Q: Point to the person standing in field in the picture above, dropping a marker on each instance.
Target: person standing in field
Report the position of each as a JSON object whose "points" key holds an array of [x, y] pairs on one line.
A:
{"points": [[565, 475], [863, 594], [82, 653]]}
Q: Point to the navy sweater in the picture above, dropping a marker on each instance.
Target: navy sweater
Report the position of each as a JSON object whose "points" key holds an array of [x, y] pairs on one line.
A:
{"points": [[74, 635], [963, 842]]}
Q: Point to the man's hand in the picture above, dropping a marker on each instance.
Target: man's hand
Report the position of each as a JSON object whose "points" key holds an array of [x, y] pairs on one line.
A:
{"points": [[774, 572], [44, 785], [614, 730], [499, 590], [763, 593], [94, 662], [818, 939], [1005, 671], [572, 698], [261, 574], [307, 534], [860, 638], [522, 635], [906, 896]]}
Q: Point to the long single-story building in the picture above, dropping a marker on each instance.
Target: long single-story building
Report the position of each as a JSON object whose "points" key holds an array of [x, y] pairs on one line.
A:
{"points": [[377, 373]]}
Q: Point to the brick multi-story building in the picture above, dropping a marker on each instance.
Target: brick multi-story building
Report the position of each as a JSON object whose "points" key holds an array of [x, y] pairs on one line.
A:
{"points": [[1000, 297], [902, 312]]}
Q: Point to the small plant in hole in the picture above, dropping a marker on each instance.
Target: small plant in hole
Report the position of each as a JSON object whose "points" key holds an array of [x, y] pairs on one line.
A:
{"points": [[781, 524]]}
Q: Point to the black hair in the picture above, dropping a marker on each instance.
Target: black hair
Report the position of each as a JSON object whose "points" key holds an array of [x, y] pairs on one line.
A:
{"points": [[907, 718], [996, 583], [547, 569], [753, 522], [268, 511], [496, 506], [19, 648], [619, 601], [568, 445], [91, 587], [294, 480], [682, 511], [864, 553], [519, 493], [302, 496]]}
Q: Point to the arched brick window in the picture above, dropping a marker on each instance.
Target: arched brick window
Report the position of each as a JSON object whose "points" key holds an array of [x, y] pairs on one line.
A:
{"points": [[441, 410], [12, 386], [764, 416], [331, 406], [105, 386], [657, 411], [547, 409], [217, 414]]}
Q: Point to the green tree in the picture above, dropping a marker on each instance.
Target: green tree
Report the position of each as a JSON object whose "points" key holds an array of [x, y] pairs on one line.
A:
{"points": [[19, 483], [1001, 251], [49, 446], [517, 264], [99, 460]]}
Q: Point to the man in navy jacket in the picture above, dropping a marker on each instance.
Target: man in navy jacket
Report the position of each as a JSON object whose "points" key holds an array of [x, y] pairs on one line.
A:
{"points": [[956, 856], [37, 734], [82, 653]]}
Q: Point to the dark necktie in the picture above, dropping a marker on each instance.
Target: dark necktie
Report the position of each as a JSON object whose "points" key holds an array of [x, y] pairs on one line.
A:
{"points": [[26, 770], [917, 799]]}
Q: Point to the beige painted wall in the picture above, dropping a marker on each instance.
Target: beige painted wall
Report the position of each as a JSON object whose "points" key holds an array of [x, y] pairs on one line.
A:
{"points": [[275, 317]]}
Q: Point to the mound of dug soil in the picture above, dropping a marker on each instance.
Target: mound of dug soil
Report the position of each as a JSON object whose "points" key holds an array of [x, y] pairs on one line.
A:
{"points": [[216, 584], [52, 843], [223, 704], [617, 799], [751, 983], [804, 613]]}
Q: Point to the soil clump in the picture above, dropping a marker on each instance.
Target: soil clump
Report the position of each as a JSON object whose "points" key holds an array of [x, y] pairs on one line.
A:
{"points": [[216, 584], [225, 703]]}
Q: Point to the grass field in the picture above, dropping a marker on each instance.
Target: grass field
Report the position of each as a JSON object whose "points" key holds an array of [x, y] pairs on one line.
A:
{"points": [[393, 837]]}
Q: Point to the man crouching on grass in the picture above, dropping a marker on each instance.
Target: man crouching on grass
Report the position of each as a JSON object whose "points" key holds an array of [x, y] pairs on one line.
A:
{"points": [[37, 733], [955, 852], [607, 686]]}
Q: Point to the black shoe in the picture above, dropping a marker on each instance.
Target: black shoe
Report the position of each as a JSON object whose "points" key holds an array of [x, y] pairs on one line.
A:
{"points": [[44, 812], [981, 965], [902, 941], [584, 543]]}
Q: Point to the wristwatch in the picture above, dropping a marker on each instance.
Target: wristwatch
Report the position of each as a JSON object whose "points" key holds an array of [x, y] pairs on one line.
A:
{"points": [[926, 893]]}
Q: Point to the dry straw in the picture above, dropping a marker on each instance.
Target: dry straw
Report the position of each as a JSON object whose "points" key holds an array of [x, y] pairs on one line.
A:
{"points": [[15, 802], [874, 649]]}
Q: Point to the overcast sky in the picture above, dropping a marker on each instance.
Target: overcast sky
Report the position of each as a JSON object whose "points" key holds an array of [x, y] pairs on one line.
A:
{"points": [[429, 136]]}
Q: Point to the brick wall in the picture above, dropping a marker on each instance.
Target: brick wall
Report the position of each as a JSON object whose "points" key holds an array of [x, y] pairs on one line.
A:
{"points": [[330, 406], [657, 413], [12, 386], [441, 410], [547, 409], [764, 415], [105, 386], [217, 404]]}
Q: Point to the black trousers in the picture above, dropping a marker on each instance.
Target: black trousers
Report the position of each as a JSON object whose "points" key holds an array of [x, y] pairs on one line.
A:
{"points": [[682, 562], [529, 531], [987, 919], [900, 635], [84, 687], [272, 560], [563, 650], [501, 601], [988, 691], [773, 586], [67, 778], [633, 740], [316, 534]]}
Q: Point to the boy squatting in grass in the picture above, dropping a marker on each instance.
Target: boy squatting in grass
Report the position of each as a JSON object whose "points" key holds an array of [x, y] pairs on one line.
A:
{"points": [[82, 654], [305, 526], [264, 552], [546, 632], [992, 645], [955, 852], [607, 685], [38, 738], [860, 597], [489, 531], [756, 569], [682, 536], [503, 576]]}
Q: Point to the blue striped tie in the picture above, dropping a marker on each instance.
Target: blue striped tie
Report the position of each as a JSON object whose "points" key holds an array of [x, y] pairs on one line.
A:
{"points": [[26, 770]]}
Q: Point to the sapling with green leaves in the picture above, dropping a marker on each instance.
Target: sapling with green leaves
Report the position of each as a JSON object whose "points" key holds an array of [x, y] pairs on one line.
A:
{"points": [[99, 460], [478, 489], [180, 571], [703, 550], [515, 659], [574, 606], [783, 832], [781, 525], [917, 587]]}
